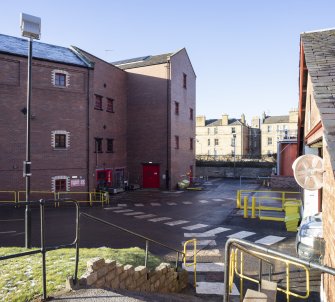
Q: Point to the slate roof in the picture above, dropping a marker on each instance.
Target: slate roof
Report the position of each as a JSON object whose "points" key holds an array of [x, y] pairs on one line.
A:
{"points": [[218, 122], [276, 119], [142, 61], [18, 46], [319, 49]]}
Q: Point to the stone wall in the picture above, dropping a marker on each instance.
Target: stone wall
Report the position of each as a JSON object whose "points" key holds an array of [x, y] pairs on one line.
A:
{"points": [[110, 274], [229, 171]]}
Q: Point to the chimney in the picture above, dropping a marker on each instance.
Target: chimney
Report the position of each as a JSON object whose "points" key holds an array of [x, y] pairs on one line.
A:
{"points": [[263, 117], [243, 118], [293, 118], [224, 119], [255, 122], [200, 121]]}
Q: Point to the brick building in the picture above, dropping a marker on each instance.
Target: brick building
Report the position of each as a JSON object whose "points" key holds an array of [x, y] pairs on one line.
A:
{"points": [[87, 115], [160, 118], [316, 132]]}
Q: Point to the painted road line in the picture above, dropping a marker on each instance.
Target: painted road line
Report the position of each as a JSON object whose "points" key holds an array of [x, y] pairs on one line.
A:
{"points": [[205, 253], [203, 201], [217, 231], [8, 232], [171, 203], [269, 240], [123, 211], [209, 233], [133, 213], [187, 202], [241, 235], [206, 267], [214, 288], [217, 199], [138, 204], [122, 205], [155, 204], [113, 208], [145, 216], [9, 220], [195, 227], [210, 242], [176, 222], [160, 219]]}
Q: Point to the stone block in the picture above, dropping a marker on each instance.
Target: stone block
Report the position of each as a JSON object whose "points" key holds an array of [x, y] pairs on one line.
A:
{"points": [[100, 283], [122, 285], [115, 283], [141, 270], [95, 263], [102, 271], [163, 267], [91, 278], [129, 269], [111, 264], [119, 268], [110, 276]]}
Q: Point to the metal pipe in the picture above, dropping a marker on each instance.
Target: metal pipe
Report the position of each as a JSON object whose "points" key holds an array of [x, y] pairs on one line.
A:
{"points": [[146, 253], [27, 163], [77, 242], [260, 274], [43, 251]]}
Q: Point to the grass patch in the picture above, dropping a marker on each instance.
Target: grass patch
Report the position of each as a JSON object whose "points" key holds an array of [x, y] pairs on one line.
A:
{"points": [[21, 278]]}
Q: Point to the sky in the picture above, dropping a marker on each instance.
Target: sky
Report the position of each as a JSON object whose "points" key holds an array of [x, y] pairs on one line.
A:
{"points": [[245, 53]]}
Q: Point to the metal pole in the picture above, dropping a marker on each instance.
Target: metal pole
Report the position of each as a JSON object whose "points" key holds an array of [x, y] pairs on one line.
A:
{"points": [[146, 253], [43, 251], [234, 155], [27, 163]]}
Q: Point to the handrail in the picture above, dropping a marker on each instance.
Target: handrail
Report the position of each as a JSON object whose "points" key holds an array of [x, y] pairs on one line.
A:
{"points": [[242, 244], [194, 258], [11, 192], [147, 240]]}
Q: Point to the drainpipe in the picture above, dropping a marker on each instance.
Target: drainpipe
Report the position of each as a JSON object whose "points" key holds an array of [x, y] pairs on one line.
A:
{"points": [[88, 130], [168, 122]]}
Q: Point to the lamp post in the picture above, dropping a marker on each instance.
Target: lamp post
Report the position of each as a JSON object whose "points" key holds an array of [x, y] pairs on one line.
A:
{"points": [[30, 28], [234, 136]]}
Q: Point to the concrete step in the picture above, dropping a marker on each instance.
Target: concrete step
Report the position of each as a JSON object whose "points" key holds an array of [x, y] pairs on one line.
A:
{"points": [[214, 288], [255, 296], [270, 289], [206, 267]]}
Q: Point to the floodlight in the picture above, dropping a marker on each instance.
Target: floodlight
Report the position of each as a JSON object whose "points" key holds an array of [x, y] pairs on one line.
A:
{"points": [[30, 26]]}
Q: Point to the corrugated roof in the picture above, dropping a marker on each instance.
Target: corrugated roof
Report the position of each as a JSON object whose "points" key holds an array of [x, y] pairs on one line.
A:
{"points": [[319, 49], [19, 46], [276, 119], [142, 61]]}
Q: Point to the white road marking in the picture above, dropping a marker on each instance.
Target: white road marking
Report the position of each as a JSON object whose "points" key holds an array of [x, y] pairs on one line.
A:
{"points": [[113, 208], [160, 219], [8, 232], [203, 201], [123, 211], [195, 227], [171, 203], [176, 222], [214, 288], [269, 240], [217, 199], [133, 213], [156, 204], [187, 202], [206, 267], [204, 242], [122, 204], [205, 253], [241, 235], [145, 216], [209, 233], [138, 204], [8, 220]]}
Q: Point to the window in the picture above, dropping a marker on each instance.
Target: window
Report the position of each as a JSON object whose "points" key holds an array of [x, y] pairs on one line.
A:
{"points": [[60, 78], [191, 114], [98, 145], [176, 108], [60, 140], [232, 142], [110, 105], [208, 130], [98, 102], [176, 140], [184, 80], [233, 130], [209, 142], [60, 184], [191, 143], [269, 140], [110, 145], [269, 128], [215, 130], [216, 142], [232, 153]]}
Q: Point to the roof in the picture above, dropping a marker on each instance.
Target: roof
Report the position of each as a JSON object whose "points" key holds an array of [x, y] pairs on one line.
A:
{"points": [[143, 61], [319, 49], [218, 122], [18, 46], [276, 119]]}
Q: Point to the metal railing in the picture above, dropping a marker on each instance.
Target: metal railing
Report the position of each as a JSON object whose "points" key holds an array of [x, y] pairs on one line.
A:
{"points": [[8, 196], [44, 249], [262, 252], [194, 263]]}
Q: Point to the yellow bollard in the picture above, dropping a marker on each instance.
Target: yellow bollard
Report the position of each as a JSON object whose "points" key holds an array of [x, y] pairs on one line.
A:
{"points": [[238, 199], [253, 207], [245, 206]]}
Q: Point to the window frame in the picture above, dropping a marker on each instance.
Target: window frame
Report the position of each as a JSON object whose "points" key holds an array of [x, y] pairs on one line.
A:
{"points": [[176, 139], [184, 80], [191, 143], [216, 141], [98, 102], [110, 105], [270, 141], [58, 133], [176, 108], [110, 143], [191, 114], [98, 145]]}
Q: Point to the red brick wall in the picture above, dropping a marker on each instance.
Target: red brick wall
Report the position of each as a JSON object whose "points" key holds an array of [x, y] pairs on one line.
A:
{"points": [[328, 213]]}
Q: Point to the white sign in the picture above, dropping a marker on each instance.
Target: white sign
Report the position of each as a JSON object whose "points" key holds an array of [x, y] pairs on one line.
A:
{"points": [[311, 202], [77, 182]]}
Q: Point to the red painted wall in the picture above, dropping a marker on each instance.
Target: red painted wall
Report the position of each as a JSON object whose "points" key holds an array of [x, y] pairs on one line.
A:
{"points": [[288, 153]]}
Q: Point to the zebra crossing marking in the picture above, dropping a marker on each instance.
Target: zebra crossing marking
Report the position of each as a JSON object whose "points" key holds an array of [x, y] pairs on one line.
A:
{"points": [[122, 204], [269, 240], [210, 233], [241, 235], [171, 203], [145, 216], [155, 204], [204, 253], [113, 208], [123, 211], [206, 267], [214, 288], [217, 199], [138, 204], [209, 242], [133, 213], [187, 202], [160, 219], [195, 227], [176, 222], [203, 201]]}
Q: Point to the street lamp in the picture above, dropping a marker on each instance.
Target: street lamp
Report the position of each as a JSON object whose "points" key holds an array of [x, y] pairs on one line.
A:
{"points": [[30, 28], [234, 136]]}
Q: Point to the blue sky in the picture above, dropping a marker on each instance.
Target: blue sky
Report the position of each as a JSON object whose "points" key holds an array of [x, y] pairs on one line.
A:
{"points": [[245, 53]]}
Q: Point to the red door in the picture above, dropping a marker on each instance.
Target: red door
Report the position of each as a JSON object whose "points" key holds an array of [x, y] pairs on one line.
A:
{"points": [[150, 176]]}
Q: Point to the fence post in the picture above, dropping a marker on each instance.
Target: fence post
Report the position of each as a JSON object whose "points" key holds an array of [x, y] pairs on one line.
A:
{"points": [[253, 207], [238, 199], [245, 206]]}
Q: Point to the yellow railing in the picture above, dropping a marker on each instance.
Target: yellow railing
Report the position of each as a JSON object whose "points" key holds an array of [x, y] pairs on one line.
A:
{"points": [[234, 270], [89, 197], [194, 263], [8, 196], [35, 195]]}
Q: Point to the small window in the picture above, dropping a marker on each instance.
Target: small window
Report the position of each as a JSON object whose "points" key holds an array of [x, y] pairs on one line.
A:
{"points": [[176, 139], [233, 140], [191, 143], [110, 145], [185, 80], [98, 145], [269, 140], [233, 130], [60, 184], [176, 108], [208, 131], [209, 142], [191, 114], [60, 139], [60, 79], [215, 130], [216, 142], [269, 128], [98, 102], [110, 105]]}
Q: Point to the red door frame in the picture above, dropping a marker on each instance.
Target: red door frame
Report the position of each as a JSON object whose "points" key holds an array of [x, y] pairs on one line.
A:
{"points": [[151, 176]]}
